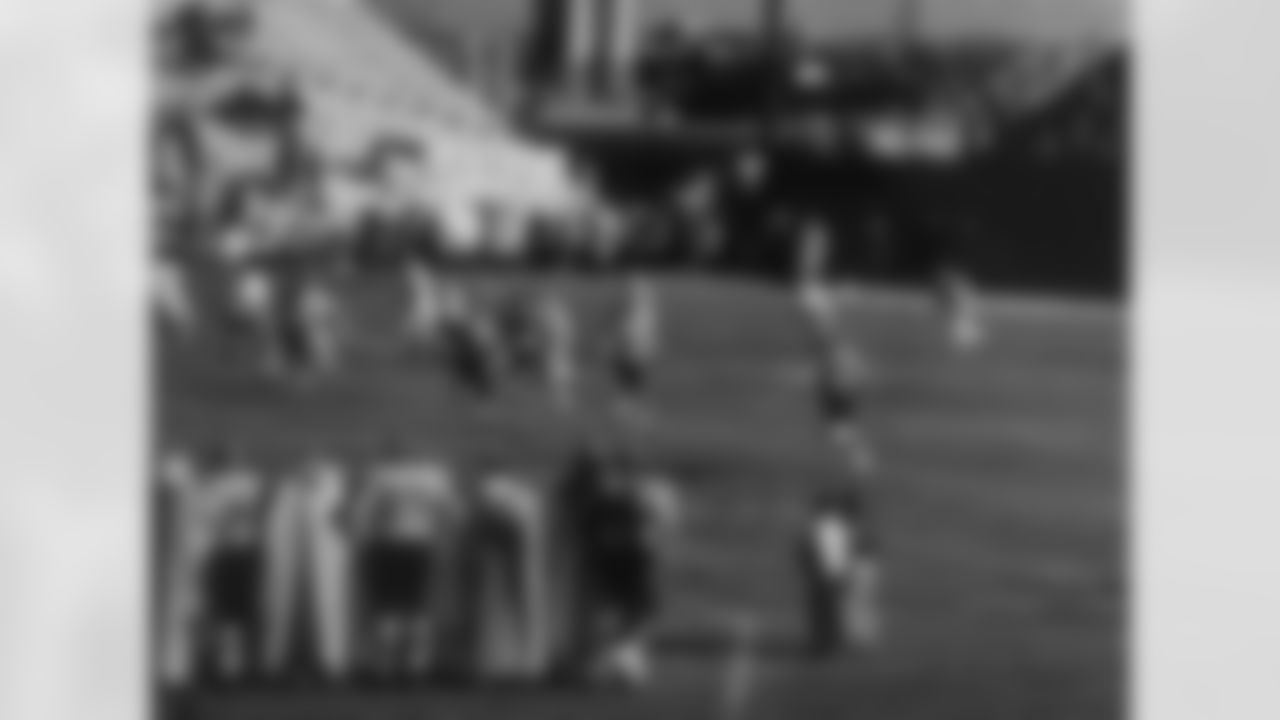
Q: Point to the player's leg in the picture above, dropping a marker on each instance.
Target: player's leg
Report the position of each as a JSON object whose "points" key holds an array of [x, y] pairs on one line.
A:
{"points": [[235, 588], [825, 562], [406, 567], [370, 607], [282, 587], [423, 621], [827, 635], [535, 594], [218, 589], [499, 625], [627, 657], [181, 610], [589, 578], [330, 595], [862, 610]]}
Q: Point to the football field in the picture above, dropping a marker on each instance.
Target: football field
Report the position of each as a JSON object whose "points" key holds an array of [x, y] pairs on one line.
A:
{"points": [[1003, 501]]}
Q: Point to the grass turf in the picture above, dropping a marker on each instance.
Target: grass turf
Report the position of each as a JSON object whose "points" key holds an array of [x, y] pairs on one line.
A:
{"points": [[1002, 505]]}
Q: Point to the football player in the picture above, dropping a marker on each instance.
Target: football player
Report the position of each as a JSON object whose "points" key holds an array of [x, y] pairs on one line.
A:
{"points": [[406, 518], [308, 569], [637, 347], [320, 319], [843, 380], [625, 518], [233, 579], [840, 571], [505, 553]]}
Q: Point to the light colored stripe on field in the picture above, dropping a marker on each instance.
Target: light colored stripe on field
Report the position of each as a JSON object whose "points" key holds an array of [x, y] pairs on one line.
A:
{"points": [[1010, 305]]}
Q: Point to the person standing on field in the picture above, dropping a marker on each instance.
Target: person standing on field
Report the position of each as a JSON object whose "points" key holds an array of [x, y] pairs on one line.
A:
{"points": [[841, 574], [406, 518], [505, 579], [308, 571]]}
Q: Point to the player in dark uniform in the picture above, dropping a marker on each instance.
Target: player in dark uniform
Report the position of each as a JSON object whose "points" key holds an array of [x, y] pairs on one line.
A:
{"points": [[840, 572], [574, 519], [472, 349], [403, 517], [626, 517], [842, 382], [233, 573]]}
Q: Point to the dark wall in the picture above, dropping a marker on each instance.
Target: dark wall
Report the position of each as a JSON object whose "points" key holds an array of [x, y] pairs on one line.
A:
{"points": [[1058, 226], [1017, 221]]}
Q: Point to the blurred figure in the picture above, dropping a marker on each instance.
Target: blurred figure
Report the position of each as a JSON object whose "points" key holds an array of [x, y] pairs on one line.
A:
{"points": [[818, 301], [504, 580], [518, 326], [954, 288], [637, 347], [308, 573], [256, 313], [471, 347], [958, 298], [321, 324], [405, 520], [427, 305], [636, 516], [843, 381], [749, 172], [171, 297], [576, 497], [840, 571], [182, 544], [210, 558], [694, 209], [557, 341], [234, 579], [612, 524]]}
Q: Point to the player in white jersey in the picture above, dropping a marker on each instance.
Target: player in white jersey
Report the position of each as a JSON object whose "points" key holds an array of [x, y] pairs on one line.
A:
{"points": [[406, 518], [504, 579], [637, 346], [308, 570], [209, 558], [840, 573]]}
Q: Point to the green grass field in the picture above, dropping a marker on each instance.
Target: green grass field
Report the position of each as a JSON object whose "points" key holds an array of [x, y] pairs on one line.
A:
{"points": [[1003, 502]]}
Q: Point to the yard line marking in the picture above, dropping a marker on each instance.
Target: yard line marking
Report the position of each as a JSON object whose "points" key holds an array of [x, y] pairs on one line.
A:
{"points": [[1008, 304]]}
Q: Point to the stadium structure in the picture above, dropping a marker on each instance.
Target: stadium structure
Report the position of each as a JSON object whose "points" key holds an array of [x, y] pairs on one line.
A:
{"points": [[365, 90]]}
